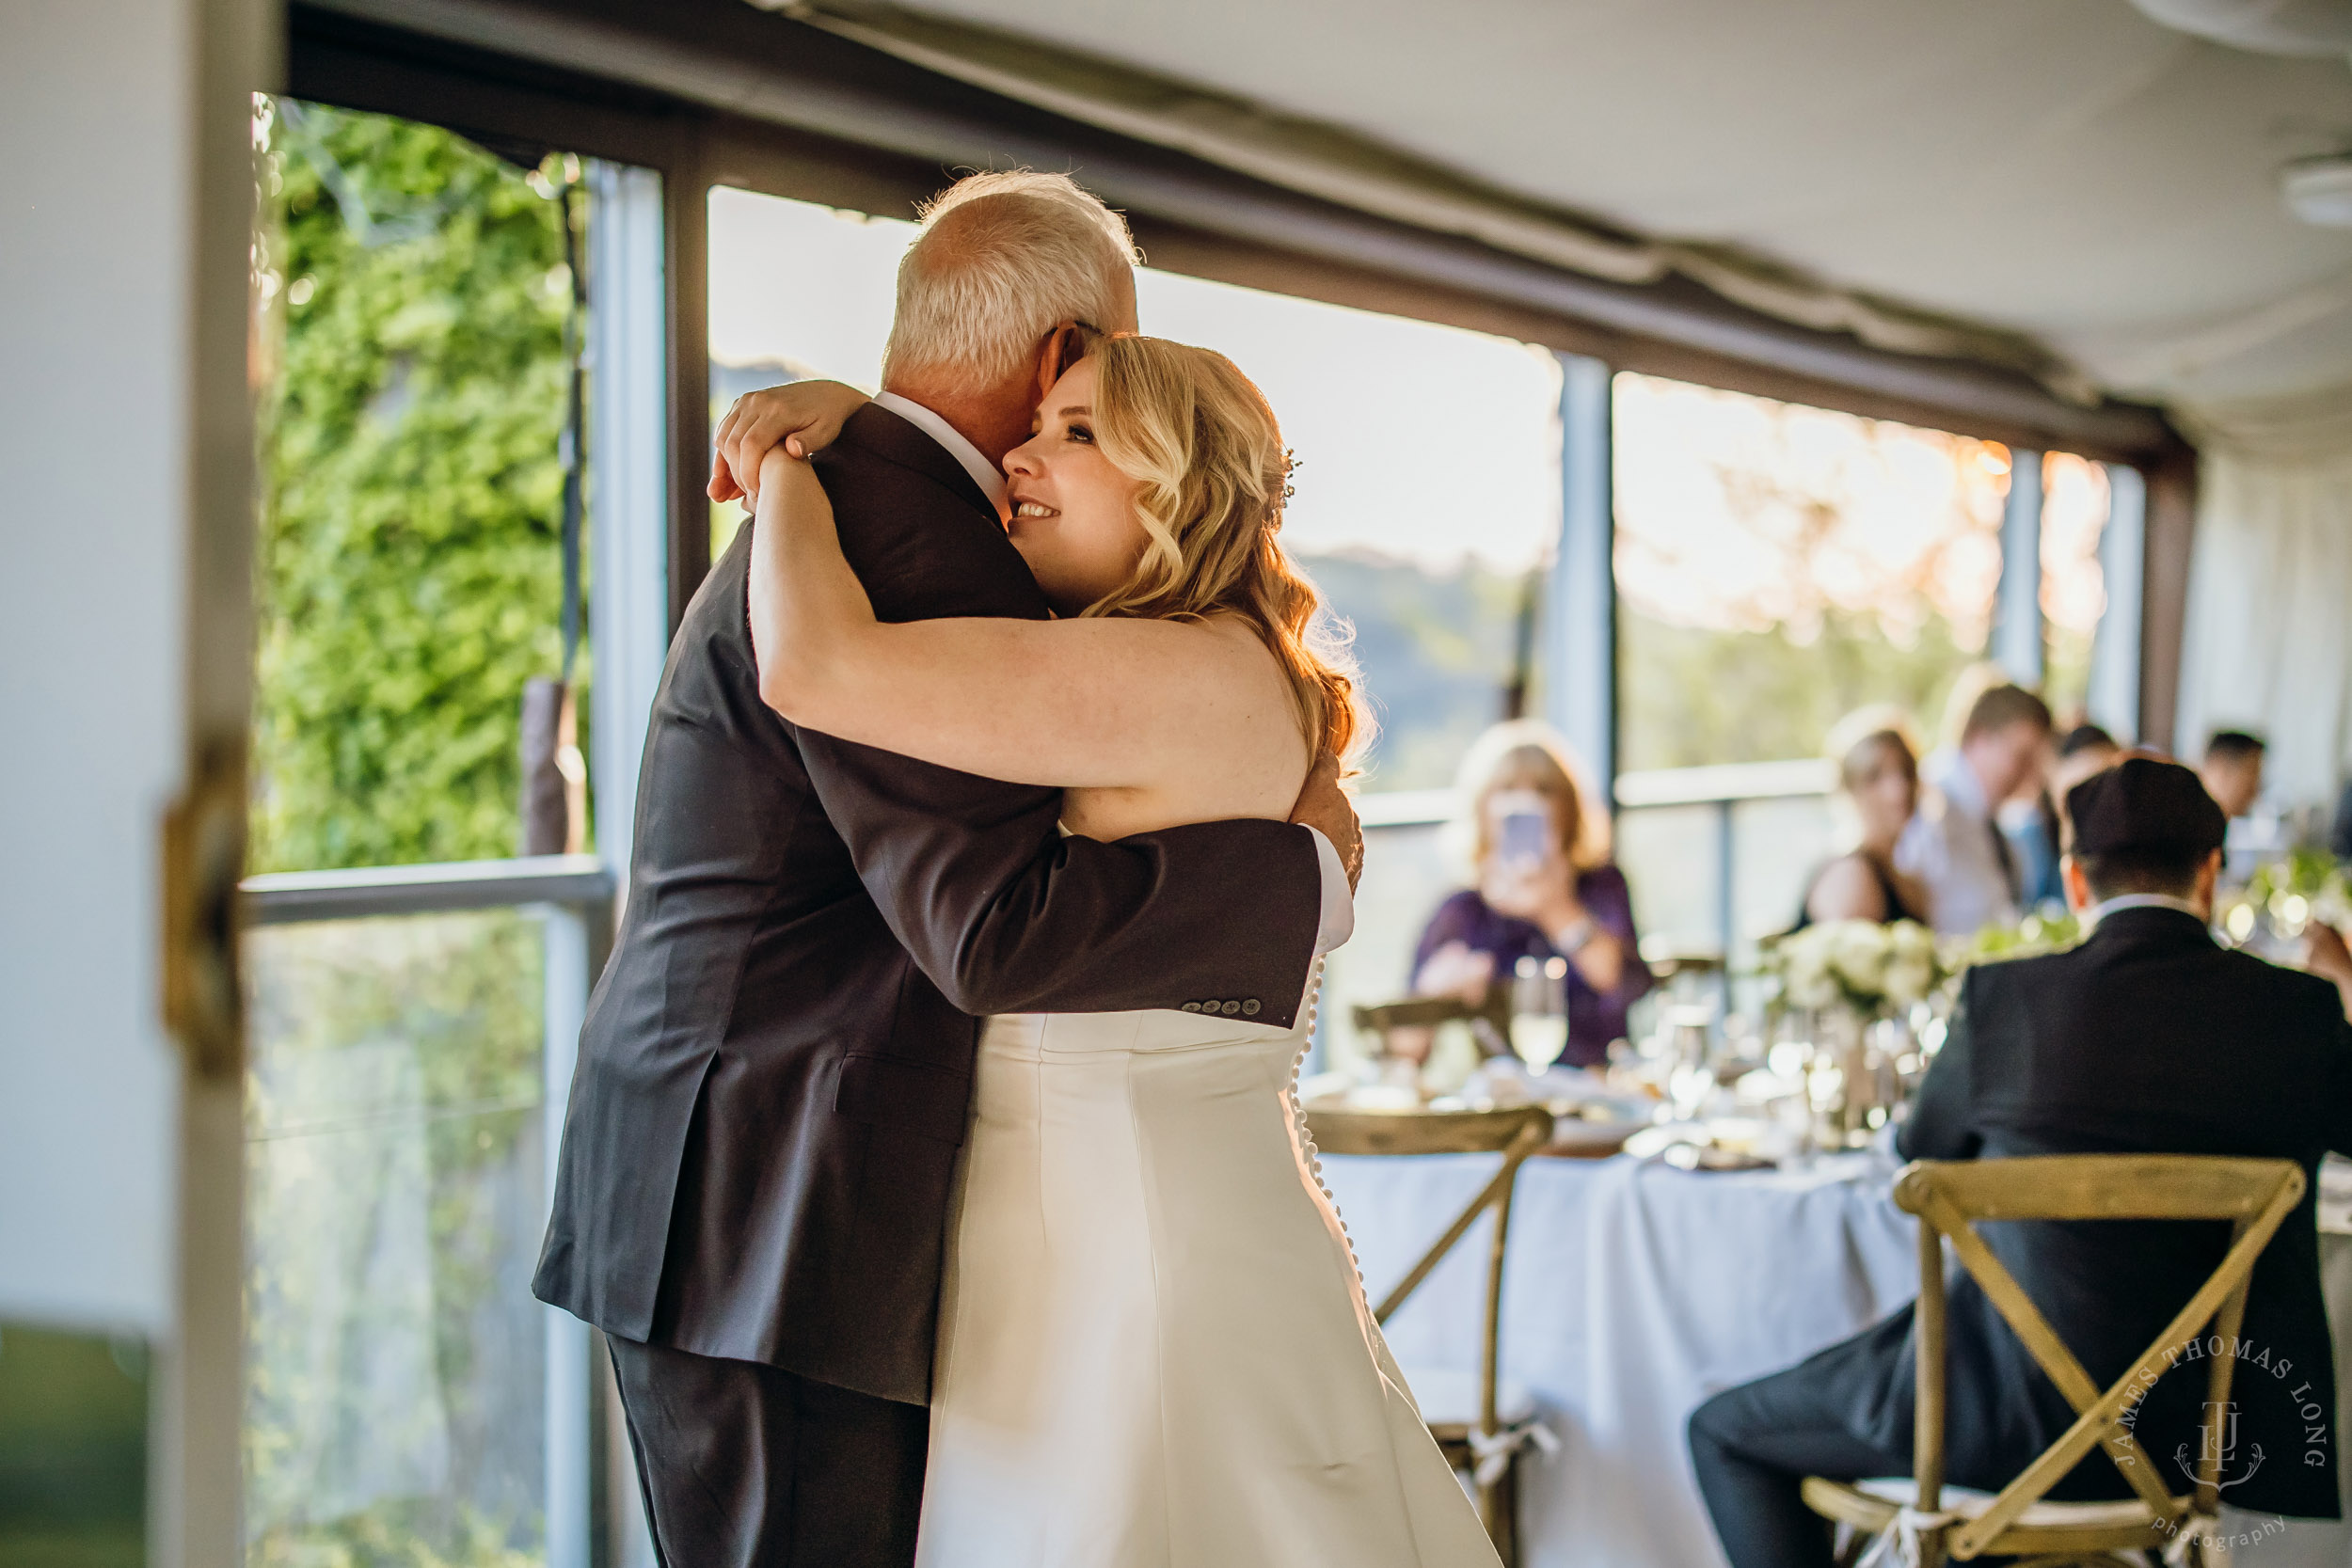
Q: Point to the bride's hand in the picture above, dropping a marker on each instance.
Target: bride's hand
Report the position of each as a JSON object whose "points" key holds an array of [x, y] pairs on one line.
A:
{"points": [[803, 418]]}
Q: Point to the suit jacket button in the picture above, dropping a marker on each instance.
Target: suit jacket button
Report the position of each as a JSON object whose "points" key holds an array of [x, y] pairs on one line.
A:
{"points": [[1250, 1007], [1192, 1007], [1230, 1007]]}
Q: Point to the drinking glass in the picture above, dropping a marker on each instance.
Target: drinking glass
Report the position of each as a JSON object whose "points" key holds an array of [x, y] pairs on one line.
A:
{"points": [[1539, 1011]]}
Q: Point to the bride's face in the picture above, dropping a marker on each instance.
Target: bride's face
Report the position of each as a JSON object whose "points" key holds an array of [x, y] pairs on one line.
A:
{"points": [[1073, 514]]}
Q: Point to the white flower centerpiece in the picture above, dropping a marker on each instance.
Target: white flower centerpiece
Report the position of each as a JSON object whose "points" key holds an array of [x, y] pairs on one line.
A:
{"points": [[1877, 969], [1860, 981]]}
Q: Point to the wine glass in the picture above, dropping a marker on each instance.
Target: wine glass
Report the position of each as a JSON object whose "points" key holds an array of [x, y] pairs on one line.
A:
{"points": [[1539, 1011]]}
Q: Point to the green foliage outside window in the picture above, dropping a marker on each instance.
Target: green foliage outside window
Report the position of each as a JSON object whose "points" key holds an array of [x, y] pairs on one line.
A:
{"points": [[1696, 695], [410, 575]]}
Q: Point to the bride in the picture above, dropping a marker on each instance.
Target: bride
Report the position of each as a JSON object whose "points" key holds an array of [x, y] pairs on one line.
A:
{"points": [[1154, 1348]]}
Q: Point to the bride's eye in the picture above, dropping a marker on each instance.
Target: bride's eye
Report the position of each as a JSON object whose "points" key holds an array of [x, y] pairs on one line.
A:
{"points": [[1080, 432]]}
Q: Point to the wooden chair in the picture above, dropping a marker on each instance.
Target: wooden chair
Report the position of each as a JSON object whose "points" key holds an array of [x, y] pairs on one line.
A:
{"points": [[1467, 1422], [1949, 1198], [1490, 1018]]}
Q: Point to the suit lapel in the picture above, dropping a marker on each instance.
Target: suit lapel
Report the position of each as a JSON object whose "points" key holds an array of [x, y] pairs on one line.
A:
{"points": [[893, 439]]}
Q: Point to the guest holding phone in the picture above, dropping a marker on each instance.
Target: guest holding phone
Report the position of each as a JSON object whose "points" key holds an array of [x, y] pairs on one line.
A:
{"points": [[1545, 889]]}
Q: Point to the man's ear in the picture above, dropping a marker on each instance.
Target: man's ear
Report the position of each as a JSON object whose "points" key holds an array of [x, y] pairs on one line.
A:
{"points": [[2208, 879], [2077, 885], [1068, 344]]}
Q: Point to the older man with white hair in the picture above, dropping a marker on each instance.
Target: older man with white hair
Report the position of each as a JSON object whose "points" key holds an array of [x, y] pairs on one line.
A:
{"points": [[754, 1189]]}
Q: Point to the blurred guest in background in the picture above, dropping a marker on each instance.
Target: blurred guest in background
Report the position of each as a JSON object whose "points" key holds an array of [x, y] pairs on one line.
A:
{"points": [[2082, 751], [2032, 820], [1955, 843], [2232, 770], [1540, 844], [1878, 782]]}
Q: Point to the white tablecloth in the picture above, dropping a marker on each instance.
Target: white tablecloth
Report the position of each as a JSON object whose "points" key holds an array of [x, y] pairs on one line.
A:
{"points": [[1634, 1290]]}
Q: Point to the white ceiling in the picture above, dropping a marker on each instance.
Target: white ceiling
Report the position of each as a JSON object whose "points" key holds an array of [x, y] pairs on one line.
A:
{"points": [[2067, 167]]}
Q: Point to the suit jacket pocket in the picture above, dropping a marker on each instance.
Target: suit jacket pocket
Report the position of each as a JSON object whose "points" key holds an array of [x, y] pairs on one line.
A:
{"points": [[888, 1091]]}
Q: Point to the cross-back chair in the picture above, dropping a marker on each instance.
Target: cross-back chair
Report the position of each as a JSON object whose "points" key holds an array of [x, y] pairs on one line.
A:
{"points": [[1489, 1017], [1481, 1429], [1949, 1199]]}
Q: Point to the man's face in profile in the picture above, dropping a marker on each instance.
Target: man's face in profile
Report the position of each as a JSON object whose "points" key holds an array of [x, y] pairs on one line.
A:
{"points": [[2008, 759], [2235, 783]]}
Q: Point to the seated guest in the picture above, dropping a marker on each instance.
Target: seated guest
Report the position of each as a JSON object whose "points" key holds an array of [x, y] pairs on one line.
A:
{"points": [[2232, 770], [2146, 1039], [1955, 843], [1878, 782], [2082, 751], [1545, 889], [2033, 825]]}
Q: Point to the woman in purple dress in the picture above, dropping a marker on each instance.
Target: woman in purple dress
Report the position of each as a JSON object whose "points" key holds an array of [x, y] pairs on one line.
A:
{"points": [[1545, 889]]}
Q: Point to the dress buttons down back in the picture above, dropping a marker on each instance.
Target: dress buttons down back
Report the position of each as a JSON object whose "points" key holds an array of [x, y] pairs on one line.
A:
{"points": [[1250, 1007]]}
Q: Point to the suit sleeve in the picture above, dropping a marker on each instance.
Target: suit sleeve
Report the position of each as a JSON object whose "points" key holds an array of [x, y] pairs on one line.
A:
{"points": [[1939, 1127], [974, 876], [1005, 914]]}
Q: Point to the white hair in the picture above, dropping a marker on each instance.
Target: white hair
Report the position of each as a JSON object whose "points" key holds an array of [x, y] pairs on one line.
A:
{"points": [[1002, 259]]}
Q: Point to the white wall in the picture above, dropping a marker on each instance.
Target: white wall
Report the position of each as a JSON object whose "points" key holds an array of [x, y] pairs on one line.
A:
{"points": [[94, 263], [125, 639]]}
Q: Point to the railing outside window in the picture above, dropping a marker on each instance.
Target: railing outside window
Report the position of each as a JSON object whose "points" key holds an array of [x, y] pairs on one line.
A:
{"points": [[414, 1030]]}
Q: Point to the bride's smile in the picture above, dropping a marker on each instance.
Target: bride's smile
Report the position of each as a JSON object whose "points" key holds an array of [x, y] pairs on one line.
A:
{"points": [[1074, 512]]}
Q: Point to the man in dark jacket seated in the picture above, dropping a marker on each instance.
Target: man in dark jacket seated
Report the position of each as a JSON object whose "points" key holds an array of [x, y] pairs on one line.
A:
{"points": [[2146, 1039]]}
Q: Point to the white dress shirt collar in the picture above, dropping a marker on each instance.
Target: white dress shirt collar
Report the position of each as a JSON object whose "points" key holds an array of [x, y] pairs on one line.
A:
{"points": [[2140, 901], [985, 474]]}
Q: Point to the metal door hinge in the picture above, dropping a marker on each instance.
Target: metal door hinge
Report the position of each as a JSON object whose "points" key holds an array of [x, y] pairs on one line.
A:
{"points": [[204, 837]]}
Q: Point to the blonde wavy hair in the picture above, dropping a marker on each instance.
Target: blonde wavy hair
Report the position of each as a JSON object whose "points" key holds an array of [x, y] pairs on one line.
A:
{"points": [[1199, 437]]}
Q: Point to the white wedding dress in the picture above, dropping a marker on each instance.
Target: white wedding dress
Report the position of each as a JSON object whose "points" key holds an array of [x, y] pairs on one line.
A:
{"points": [[1154, 1348]]}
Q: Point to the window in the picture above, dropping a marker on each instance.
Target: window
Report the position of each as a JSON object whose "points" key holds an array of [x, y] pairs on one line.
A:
{"points": [[1428, 484], [1778, 566], [417, 328]]}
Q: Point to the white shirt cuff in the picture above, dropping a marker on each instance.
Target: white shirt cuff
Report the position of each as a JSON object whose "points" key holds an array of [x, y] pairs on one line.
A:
{"points": [[1338, 899]]}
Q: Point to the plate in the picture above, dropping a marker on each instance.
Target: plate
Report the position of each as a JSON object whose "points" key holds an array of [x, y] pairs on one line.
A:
{"points": [[1703, 1157]]}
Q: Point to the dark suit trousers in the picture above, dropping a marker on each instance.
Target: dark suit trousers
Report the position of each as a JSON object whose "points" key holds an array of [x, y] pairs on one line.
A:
{"points": [[1752, 1445], [745, 1465]]}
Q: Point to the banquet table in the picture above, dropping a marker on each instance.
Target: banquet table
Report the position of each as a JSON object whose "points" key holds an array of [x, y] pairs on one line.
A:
{"points": [[1633, 1290]]}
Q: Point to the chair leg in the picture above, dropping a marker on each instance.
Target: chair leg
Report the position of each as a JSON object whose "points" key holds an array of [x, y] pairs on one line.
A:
{"points": [[1498, 1511]]}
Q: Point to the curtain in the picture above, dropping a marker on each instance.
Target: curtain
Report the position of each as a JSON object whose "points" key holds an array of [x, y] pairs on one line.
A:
{"points": [[2269, 644]]}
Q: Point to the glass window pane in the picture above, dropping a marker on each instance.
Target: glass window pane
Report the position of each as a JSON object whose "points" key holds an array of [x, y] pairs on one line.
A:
{"points": [[2073, 585], [396, 1187], [1428, 481], [414, 301], [1778, 566]]}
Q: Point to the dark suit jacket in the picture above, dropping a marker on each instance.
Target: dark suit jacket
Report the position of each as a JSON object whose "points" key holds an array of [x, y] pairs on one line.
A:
{"points": [[777, 1063], [2147, 1038]]}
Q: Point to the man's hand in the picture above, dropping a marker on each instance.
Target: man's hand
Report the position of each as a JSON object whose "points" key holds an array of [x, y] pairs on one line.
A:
{"points": [[1324, 806], [2326, 956], [802, 417]]}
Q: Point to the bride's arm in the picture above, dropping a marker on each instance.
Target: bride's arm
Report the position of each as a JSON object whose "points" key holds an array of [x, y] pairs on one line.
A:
{"points": [[801, 416], [1106, 702]]}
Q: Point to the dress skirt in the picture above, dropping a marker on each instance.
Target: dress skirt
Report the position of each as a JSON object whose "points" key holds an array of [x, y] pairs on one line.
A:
{"points": [[1154, 1351]]}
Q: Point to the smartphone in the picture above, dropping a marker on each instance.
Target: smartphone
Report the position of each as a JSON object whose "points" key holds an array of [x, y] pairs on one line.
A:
{"points": [[1525, 838]]}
